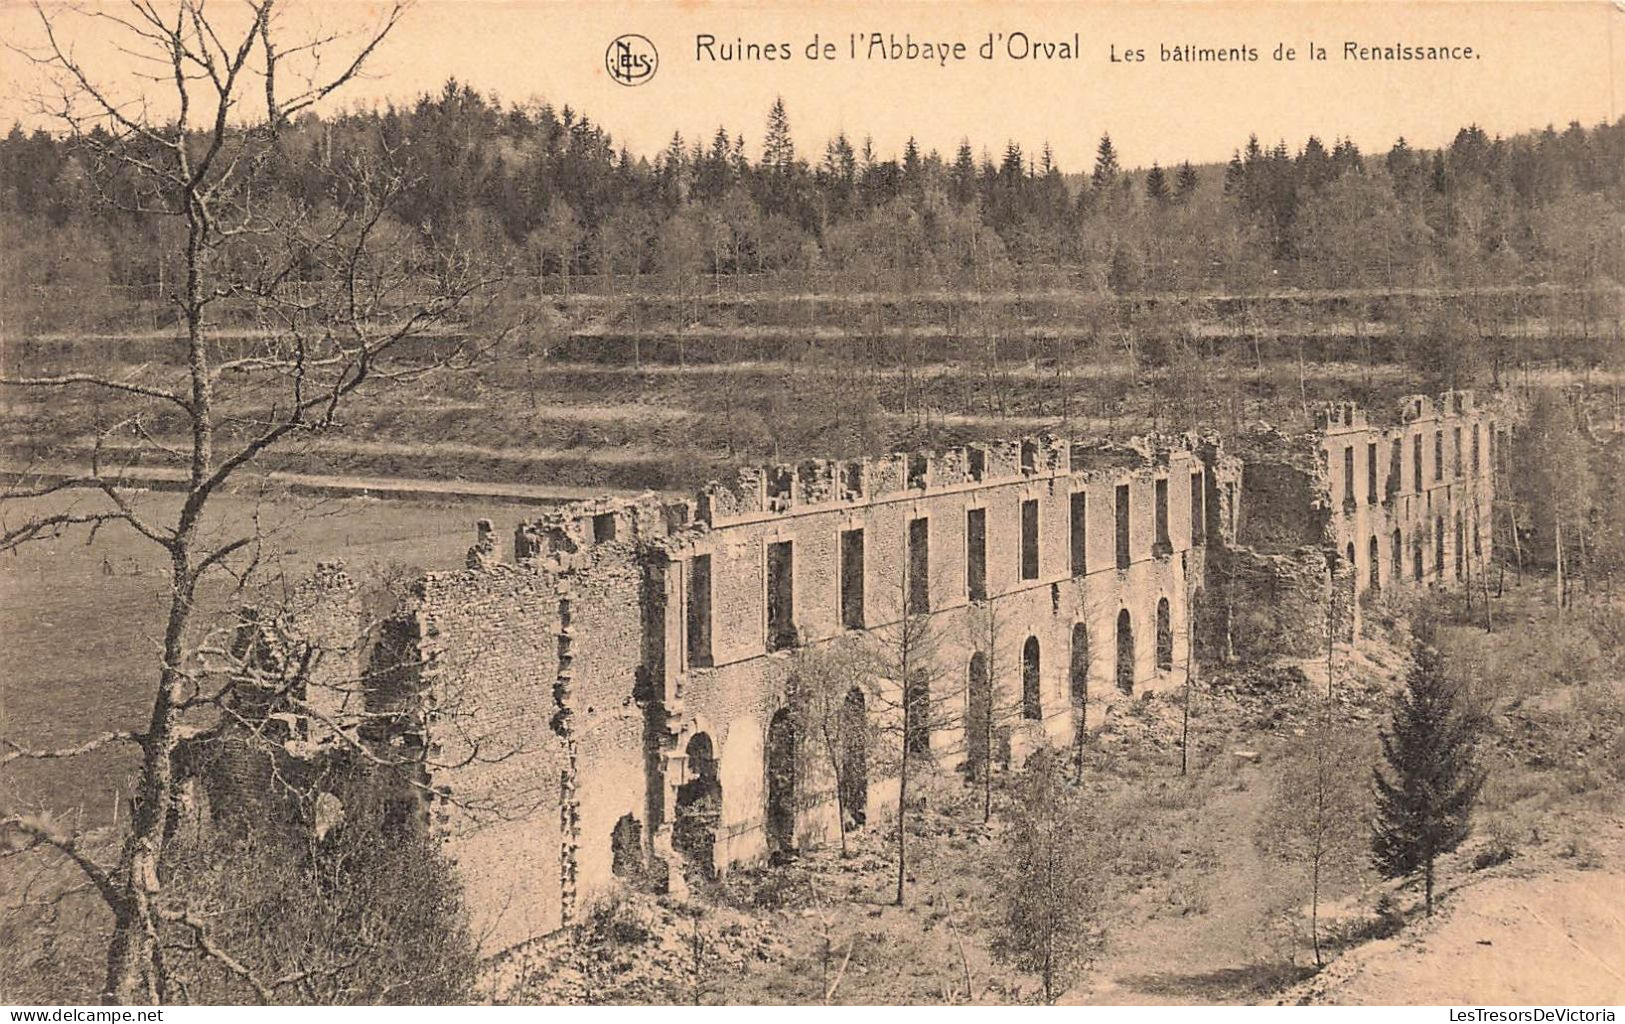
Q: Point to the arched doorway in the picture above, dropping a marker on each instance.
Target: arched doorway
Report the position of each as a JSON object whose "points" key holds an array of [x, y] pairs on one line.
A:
{"points": [[1125, 652], [1165, 636], [1032, 698], [978, 715], [1397, 556], [698, 812], [854, 780], [781, 785], [1375, 560]]}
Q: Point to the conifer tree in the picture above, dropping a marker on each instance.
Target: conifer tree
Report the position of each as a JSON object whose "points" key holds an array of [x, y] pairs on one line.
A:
{"points": [[962, 178], [1186, 182], [1106, 168], [1426, 795], [1156, 185], [1234, 173], [778, 150]]}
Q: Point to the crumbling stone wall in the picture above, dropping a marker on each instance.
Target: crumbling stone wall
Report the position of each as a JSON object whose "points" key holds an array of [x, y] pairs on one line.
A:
{"points": [[1324, 511], [579, 674], [298, 683], [556, 696], [1372, 501], [484, 674]]}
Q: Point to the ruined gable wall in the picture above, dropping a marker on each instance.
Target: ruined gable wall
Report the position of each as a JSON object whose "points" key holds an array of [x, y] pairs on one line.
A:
{"points": [[602, 588], [325, 612], [1285, 506], [489, 644]]}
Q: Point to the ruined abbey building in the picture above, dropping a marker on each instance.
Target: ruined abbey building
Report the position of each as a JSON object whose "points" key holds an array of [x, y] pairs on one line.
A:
{"points": [[614, 699]]}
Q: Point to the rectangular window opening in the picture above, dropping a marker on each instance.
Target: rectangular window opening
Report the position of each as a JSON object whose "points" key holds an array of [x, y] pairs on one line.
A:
{"points": [[1371, 473], [699, 611], [1198, 507], [1122, 527], [978, 464], [781, 590], [1029, 539], [917, 466], [919, 566], [1164, 546], [1080, 533], [852, 579], [976, 554]]}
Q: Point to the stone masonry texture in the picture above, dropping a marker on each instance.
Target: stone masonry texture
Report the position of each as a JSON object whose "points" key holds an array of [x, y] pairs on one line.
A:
{"points": [[576, 726]]}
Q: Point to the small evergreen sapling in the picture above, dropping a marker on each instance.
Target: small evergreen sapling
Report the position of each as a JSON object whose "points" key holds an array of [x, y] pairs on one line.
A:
{"points": [[1426, 794]]}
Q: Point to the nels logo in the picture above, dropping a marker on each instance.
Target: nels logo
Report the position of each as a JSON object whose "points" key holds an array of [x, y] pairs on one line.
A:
{"points": [[631, 59]]}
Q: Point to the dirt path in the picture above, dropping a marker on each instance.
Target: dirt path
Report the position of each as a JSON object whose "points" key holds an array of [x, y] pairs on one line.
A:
{"points": [[1205, 957], [1556, 938]]}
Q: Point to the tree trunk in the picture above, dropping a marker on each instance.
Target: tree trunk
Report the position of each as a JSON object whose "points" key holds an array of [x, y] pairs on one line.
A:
{"points": [[1314, 910], [1427, 884], [134, 958], [1560, 580], [902, 809]]}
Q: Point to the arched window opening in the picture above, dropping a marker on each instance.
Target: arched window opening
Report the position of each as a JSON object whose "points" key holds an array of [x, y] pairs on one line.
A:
{"points": [[1125, 652], [699, 810], [978, 716], [917, 710], [1032, 699], [1080, 664], [781, 785], [854, 780], [1165, 636]]}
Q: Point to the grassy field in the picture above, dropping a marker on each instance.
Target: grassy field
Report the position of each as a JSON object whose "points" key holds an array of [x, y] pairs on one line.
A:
{"points": [[80, 622]]}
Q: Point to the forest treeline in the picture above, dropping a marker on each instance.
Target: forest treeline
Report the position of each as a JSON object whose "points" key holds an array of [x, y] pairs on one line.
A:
{"points": [[549, 190]]}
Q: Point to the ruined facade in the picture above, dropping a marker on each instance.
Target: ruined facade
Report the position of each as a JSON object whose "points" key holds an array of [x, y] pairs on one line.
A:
{"points": [[1349, 510], [613, 698]]}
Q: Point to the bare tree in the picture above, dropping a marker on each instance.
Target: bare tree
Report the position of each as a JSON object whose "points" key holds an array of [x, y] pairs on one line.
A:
{"points": [[907, 672], [1317, 814], [1048, 876], [342, 299], [984, 716], [835, 728]]}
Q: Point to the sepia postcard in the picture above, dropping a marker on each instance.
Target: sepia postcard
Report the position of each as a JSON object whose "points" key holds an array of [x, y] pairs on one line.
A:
{"points": [[798, 503]]}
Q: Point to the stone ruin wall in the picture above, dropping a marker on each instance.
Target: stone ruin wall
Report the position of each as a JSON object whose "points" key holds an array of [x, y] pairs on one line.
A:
{"points": [[1317, 534], [564, 692], [1372, 501], [570, 664]]}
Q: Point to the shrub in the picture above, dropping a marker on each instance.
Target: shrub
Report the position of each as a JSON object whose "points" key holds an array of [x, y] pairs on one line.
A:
{"points": [[369, 912]]}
